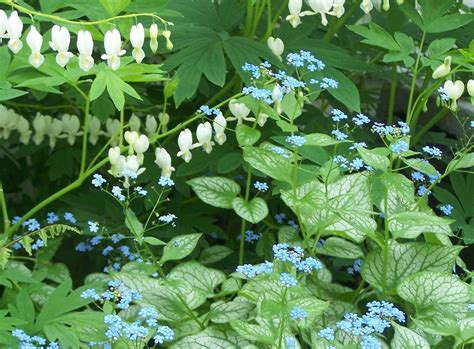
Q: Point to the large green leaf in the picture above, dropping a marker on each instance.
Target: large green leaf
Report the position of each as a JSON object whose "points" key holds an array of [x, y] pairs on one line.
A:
{"points": [[409, 225], [180, 247], [224, 312], [337, 247], [252, 211], [212, 338], [406, 338], [270, 163], [215, 191]]}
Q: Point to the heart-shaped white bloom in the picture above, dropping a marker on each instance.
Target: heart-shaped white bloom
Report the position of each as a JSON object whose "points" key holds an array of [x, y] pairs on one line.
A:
{"points": [[454, 91], [294, 7], [55, 128], [185, 143], [276, 45], [94, 130], [34, 41], [163, 160], [71, 126], [204, 136], [137, 38], [113, 49], [366, 6], [60, 39], [14, 29], [85, 46], [240, 111], [131, 137], [219, 124], [114, 155], [323, 7], [23, 127], [3, 24], [338, 8], [141, 145]]}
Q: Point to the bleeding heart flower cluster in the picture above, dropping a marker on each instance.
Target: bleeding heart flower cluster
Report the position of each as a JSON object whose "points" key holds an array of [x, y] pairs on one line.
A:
{"points": [[12, 28]]}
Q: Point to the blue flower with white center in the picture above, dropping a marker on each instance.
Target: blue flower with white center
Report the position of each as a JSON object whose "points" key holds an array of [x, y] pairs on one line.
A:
{"points": [[261, 186], [381, 129], [252, 69], [165, 181], [98, 180], [327, 333], [327, 83], [358, 145], [96, 240], [433, 151], [83, 247], [135, 331], [248, 270], [163, 334], [446, 209], [280, 218], [51, 218], [107, 250], [357, 164], [417, 176], [399, 147], [296, 141], [341, 161], [308, 265], [115, 326], [337, 115], [68, 216], [285, 253], [168, 218], [37, 245], [90, 293], [287, 280], [251, 237], [116, 238], [404, 128], [361, 119], [117, 192], [370, 342], [280, 151], [339, 135], [298, 314], [32, 224], [147, 313], [141, 191], [422, 190], [442, 94], [93, 226], [290, 83], [260, 94]]}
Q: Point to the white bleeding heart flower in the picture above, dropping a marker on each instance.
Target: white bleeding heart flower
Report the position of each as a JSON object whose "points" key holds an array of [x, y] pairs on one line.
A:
{"points": [[3, 24], [60, 39], [55, 129], [338, 8], [454, 91], [113, 49], [131, 137], [94, 130], [141, 145], [322, 7], [14, 29], [443, 70], [85, 46], [154, 37], [23, 127], [137, 39], [39, 125], [112, 127], [262, 119], [151, 125], [185, 143], [470, 90], [163, 160], [240, 112], [276, 45], [34, 41], [294, 7], [219, 124], [366, 6], [8, 121], [71, 126], [114, 155], [204, 136]]}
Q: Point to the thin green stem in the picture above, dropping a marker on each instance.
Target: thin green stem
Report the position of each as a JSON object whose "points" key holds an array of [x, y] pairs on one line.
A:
{"points": [[339, 23], [393, 92], [275, 19], [3, 203], [244, 222], [248, 18], [256, 19], [414, 78], [432, 122], [269, 20]]}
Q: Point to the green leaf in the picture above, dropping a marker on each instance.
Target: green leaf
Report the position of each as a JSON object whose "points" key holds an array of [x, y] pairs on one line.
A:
{"points": [[409, 225], [214, 254], [151, 240], [247, 135], [198, 276], [436, 291], [337, 247], [134, 225], [10, 93], [215, 191], [98, 85], [229, 162], [375, 35], [270, 163], [406, 338], [114, 7], [253, 332], [407, 259], [253, 211], [347, 92], [180, 247], [224, 312], [212, 337], [449, 22], [421, 165], [464, 161], [314, 308], [377, 158], [320, 139], [290, 106]]}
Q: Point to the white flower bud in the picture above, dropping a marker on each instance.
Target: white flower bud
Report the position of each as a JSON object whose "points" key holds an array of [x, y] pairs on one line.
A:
{"points": [[366, 6], [151, 125], [3, 24], [94, 130], [443, 70], [154, 37], [262, 119], [114, 155], [14, 29], [219, 124], [134, 123], [141, 144], [34, 41], [113, 48], [131, 137], [276, 45], [137, 38], [113, 129], [167, 35], [60, 39], [164, 119]]}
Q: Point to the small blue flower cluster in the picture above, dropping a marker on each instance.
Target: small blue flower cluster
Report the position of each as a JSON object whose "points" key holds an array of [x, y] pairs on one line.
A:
{"points": [[375, 320], [442, 94], [298, 314], [165, 181], [32, 342], [399, 146], [295, 255], [356, 267], [98, 180], [280, 218], [433, 151], [337, 115], [251, 237], [339, 135], [401, 129], [209, 111], [424, 182], [280, 151], [117, 293], [361, 119], [117, 192], [260, 94], [261, 186], [287, 280], [167, 218], [304, 58], [296, 141], [446, 209], [251, 271]]}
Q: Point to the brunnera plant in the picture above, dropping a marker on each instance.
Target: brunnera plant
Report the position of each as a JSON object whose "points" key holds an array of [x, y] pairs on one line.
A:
{"points": [[236, 174]]}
